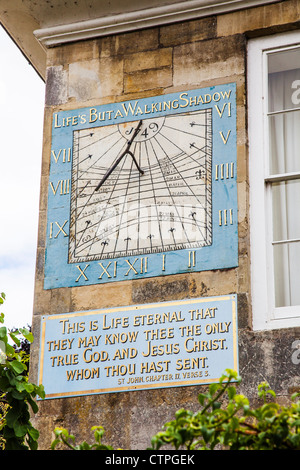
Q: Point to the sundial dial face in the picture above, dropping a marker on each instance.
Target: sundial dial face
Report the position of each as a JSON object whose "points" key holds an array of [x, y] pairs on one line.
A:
{"points": [[167, 208], [143, 188]]}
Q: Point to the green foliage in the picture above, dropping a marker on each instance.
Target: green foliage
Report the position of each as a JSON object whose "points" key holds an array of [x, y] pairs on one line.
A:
{"points": [[62, 436], [16, 430], [224, 421], [234, 426], [3, 411]]}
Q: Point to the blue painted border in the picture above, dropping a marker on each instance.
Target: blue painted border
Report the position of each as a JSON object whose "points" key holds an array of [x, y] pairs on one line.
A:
{"points": [[221, 254]]}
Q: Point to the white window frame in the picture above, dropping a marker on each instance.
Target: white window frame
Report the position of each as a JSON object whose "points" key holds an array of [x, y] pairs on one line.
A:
{"points": [[265, 315]]}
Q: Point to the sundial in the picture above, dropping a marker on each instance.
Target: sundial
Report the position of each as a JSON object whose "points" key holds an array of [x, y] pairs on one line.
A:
{"points": [[167, 207], [143, 188]]}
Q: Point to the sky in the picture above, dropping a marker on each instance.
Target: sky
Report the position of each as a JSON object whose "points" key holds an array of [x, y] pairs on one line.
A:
{"points": [[21, 128]]}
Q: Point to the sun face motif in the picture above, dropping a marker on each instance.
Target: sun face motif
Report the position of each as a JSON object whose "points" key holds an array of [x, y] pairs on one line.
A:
{"points": [[168, 207]]}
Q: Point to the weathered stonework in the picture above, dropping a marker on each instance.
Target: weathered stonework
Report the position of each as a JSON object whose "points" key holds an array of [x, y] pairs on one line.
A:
{"points": [[193, 54]]}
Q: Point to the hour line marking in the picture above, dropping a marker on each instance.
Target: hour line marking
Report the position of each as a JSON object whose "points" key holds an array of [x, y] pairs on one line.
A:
{"points": [[164, 262], [223, 217], [105, 270], [221, 111], [61, 229], [131, 266], [225, 139], [82, 273], [192, 259]]}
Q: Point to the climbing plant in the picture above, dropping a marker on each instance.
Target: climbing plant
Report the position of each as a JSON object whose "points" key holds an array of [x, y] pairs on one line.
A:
{"points": [[226, 420], [17, 394], [62, 437]]}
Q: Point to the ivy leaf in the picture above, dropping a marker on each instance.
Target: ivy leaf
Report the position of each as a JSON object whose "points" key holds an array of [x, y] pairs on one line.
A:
{"points": [[40, 391], [207, 433], [10, 350], [20, 386], [12, 416], [3, 333], [4, 383], [17, 367], [34, 433], [14, 338], [33, 405], [29, 387], [20, 429], [27, 335]]}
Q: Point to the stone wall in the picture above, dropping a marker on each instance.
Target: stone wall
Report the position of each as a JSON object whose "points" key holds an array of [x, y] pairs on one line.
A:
{"points": [[194, 54]]}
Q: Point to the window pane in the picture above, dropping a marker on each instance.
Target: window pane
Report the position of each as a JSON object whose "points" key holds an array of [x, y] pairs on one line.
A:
{"points": [[284, 143], [284, 80], [286, 211], [287, 274]]}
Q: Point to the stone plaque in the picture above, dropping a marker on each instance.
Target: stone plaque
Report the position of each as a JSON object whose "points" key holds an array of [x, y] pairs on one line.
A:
{"points": [[167, 344]]}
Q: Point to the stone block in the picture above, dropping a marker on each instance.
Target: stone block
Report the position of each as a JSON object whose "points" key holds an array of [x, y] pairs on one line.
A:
{"points": [[56, 86], [98, 297], [272, 17], [148, 60], [242, 163], [95, 79], [67, 53], [242, 194], [244, 273], [128, 43], [160, 289], [210, 283], [60, 300], [42, 298], [188, 31], [148, 80], [205, 61], [44, 193]]}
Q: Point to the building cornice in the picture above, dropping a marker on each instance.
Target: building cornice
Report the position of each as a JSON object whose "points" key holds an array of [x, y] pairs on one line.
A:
{"points": [[140, 19]]}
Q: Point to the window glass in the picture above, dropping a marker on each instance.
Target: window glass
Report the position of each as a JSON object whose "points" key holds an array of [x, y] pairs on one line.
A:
{"points": [[284, 143], [284, 80], [286, 211], [287, 274], [284, 158]]}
